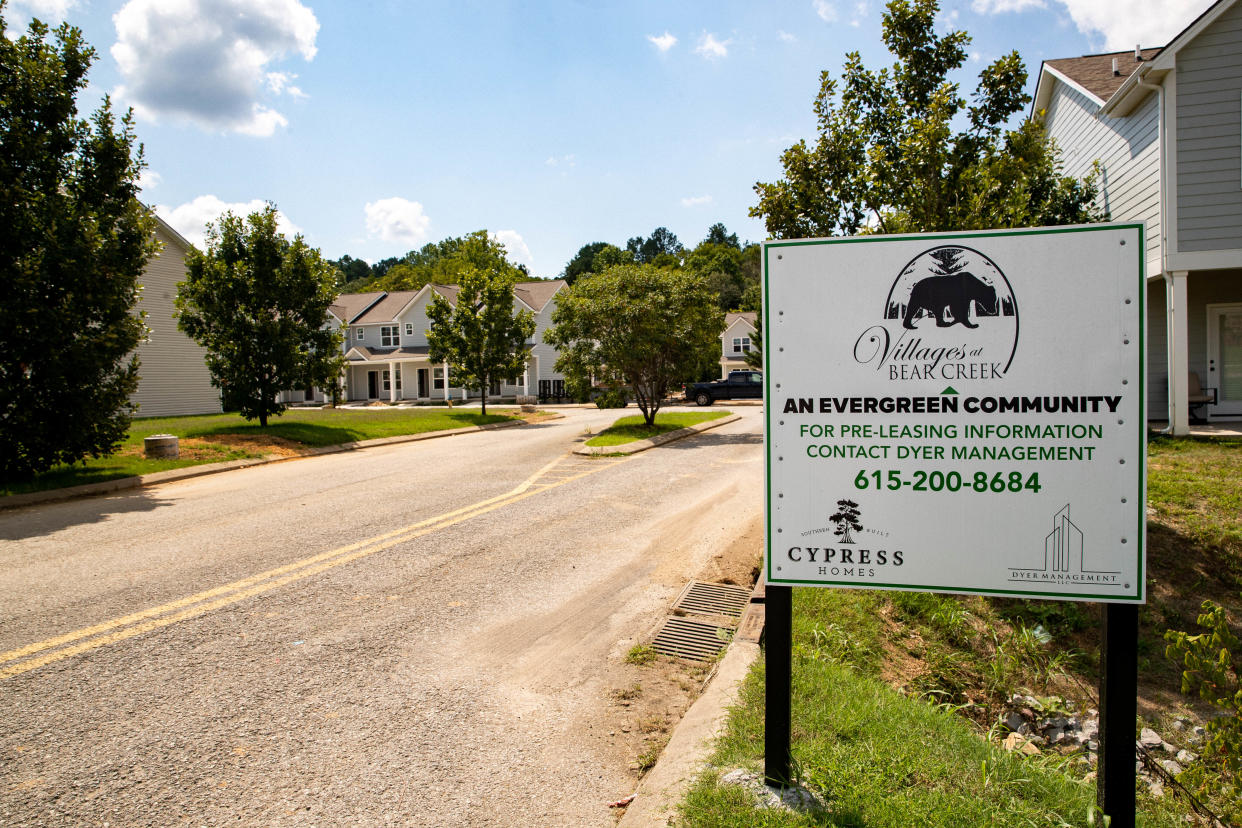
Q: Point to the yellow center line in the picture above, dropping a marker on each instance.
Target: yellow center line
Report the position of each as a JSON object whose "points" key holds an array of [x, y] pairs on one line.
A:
{"points": [[128, 626]]}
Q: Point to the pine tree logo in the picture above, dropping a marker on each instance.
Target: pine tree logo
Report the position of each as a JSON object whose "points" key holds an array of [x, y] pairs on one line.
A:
{"points": [[846, 520]]}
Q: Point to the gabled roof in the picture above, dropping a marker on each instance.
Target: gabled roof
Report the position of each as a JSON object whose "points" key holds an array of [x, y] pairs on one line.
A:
{"points": [[364, 353], [1093, 74], [536, 295], [739, 316], [348, 306], [386, 309], [171, 231]]}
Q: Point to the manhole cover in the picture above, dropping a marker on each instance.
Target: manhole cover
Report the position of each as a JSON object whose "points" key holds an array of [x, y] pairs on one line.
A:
{"points": [[713, 599], [693, 640]]}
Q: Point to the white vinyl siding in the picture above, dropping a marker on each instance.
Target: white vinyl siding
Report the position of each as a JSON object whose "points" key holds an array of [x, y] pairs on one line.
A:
{"points": [[1128, 149], [173, 375], [1209, 137], [546, 353]]}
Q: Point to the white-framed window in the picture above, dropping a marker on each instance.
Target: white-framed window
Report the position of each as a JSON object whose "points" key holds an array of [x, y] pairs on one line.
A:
{"points": [[741, 344], [409, 328], [358, 334], [516, 379], [389, 336], [437, 378], [387, 382]]}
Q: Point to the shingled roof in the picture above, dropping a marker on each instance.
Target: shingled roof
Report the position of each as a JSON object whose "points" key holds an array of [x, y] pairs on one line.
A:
{"points": [[1094, 73]]}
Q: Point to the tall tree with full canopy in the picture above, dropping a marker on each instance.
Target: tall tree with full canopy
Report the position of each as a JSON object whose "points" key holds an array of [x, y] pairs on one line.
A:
{"points": [[73, 243], [481, 337], [583, 261], [259, 304], [660, 248], [901, 150], [646, 326]]}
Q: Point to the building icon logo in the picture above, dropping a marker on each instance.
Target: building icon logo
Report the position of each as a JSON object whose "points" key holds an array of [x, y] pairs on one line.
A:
{"points": [[1065, 558]]}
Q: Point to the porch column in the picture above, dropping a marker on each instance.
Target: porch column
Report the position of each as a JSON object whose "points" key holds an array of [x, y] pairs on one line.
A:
{"points": [[446, 383], [392, 381], [1179, 350]]}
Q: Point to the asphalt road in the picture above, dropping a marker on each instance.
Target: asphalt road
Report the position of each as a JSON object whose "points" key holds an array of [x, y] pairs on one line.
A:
{"points": [[416, 634]]}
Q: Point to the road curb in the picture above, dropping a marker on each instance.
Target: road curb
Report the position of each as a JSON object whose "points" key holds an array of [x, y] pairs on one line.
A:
{"points": [[154, 478], [658, 440]]}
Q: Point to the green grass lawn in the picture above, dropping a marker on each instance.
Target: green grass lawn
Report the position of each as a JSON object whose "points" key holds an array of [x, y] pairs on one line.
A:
{"points": [[302, 428], [629, 429]]}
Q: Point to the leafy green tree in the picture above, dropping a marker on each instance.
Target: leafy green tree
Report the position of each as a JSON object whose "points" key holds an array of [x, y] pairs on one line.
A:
{"points": [[901, 150], [583, 261], [639, 324], [351, 270], [73, 242], [258, 303], [610, 256], [481, 337], [754, 357], [662, 248], [719, 234]]}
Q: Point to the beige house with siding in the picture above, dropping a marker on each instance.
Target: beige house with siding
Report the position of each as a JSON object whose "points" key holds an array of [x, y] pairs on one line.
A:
{"points": [[1165, 128], [736, 341], [173, 375]]}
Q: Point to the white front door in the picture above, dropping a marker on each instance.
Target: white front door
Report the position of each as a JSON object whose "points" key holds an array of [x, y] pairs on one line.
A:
{"points": [[1225, 359]]}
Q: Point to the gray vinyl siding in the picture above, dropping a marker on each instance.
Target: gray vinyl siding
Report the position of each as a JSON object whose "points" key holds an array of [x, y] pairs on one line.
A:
{"points": [[173, 375], [1127, 148], [1157, 352], [1209, 146], [546, 353], [416, 315]]}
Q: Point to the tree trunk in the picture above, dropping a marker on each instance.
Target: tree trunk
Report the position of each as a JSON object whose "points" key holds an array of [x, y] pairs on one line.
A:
{"points": [[483, 396]]}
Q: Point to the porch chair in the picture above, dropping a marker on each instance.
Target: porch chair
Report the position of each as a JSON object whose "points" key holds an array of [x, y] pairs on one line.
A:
{"points": [[1197, 397]]}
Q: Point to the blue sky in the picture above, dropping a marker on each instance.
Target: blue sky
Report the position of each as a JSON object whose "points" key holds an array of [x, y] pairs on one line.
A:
{"points": [[377, 126]]}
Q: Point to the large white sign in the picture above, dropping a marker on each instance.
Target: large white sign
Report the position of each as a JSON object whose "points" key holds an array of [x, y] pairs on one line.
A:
{"points": [[958, 413]]}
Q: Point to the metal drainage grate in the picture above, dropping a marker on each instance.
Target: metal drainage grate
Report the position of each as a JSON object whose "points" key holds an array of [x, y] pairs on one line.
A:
{"points": [[692, 640], [713, 599]]}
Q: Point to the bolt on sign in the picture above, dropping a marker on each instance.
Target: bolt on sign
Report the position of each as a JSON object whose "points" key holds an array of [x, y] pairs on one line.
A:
{"points": [[958, 413]]}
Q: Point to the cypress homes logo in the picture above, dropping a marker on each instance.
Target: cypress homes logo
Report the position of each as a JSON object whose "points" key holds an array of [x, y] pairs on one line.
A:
{"points": [[850, 557], [950, 315]]}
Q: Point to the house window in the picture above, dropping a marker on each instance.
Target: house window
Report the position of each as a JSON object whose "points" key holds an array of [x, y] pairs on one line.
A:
{"points": [[358, 334], [437, 378], [389, 337], [516, 379], [387, 382], [741, 344], [409, 328]]}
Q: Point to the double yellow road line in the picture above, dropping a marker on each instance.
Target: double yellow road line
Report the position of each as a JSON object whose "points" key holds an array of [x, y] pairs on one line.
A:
{"points": [[33, 656]]}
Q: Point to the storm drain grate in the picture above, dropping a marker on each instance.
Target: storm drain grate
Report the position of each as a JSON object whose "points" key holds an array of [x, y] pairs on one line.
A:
{"points": [[713, 599], [692, 640]]}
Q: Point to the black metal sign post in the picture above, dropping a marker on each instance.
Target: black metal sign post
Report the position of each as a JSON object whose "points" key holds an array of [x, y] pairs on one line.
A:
{"points": [[1118, 706], [778, 654]]}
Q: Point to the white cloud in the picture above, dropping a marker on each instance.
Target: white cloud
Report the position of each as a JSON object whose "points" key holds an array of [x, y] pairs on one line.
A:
{"points": [[149, 179], [711, 48], [516, 247], [786, 36], [664, 42], [190, 219], [1114, 20], [561, 161], [696, 201], [207, 61], [50, 11], [398, 220], [826, 11]]}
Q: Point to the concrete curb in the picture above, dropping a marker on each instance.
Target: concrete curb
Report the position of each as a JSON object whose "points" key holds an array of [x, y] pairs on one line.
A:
{"points": [[658, 440], [663, 789], [154, 478]]}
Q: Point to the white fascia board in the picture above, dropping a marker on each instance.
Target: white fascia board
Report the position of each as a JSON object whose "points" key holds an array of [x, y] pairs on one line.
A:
{"points": [[1043, 92]]}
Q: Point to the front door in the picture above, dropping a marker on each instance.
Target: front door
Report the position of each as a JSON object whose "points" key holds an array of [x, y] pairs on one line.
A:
{"points": [[372, 385], [424, 388], [1225, 359]]}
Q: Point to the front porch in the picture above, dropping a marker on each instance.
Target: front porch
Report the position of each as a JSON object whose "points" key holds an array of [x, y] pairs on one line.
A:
{"points": [[407, 375]]}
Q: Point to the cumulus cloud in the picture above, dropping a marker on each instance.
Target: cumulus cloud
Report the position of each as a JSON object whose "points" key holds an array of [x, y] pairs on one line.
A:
{"points": [[786, 36], [826, 11], [711, 48], [191, 219], [397, 220], [696, 201], [149, 179], [207, 61], [1113, 20], [50, 11], [663, 42], [516, 247]]}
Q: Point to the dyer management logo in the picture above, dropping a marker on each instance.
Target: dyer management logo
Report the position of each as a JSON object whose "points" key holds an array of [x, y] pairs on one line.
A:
{"points": [[1065, 558], [950, 315]]}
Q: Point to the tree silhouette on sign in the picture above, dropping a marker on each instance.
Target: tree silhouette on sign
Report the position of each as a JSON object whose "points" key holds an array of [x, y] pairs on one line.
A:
{"points": [[947, 261], [846, 519]]}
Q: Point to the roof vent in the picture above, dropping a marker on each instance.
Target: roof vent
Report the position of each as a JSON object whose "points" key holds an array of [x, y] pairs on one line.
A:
{"points": [[1116, 71], [1138, 53]]}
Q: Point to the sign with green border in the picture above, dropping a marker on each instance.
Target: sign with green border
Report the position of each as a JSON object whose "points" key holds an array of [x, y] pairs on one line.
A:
{"points": [[958, 412]]}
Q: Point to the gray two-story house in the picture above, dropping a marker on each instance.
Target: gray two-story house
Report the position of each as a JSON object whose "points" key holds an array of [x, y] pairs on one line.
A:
{"points": [[1163, 127]]}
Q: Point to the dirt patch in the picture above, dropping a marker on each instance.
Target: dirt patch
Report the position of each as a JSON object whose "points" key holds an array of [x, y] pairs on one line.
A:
{"points": [[537, 416], [265, 444], [645, 702]]}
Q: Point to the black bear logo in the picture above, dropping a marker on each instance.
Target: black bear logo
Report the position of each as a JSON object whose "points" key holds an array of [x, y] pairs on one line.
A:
{"points": [[951, 294]]}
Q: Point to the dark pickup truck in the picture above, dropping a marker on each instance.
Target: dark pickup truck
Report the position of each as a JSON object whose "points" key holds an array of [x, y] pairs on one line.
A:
{"points": [[739, 385]]}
